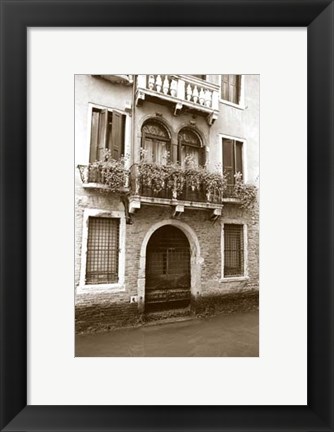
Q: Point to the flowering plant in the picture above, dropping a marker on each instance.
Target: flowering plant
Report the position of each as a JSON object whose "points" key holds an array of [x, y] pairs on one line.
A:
{"points": [[109, 171], [175, 177], [246, 193]]}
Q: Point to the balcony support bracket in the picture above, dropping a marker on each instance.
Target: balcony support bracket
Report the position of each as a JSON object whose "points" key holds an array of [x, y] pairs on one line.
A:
{"points": [[134, 204], [178, 108], [177, 211], [215, 215], [212, 118], [140, 98]]}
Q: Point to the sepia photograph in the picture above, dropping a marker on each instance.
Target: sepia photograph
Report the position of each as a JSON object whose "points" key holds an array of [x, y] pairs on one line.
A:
{"points": [[167, 215]]}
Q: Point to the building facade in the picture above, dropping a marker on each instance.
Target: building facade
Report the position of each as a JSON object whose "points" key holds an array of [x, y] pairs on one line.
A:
{"points": [[166, 190]]}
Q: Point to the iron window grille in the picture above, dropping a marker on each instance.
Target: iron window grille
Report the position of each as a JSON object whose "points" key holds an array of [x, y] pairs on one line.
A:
{"points": [[102, 251], [233, 250]]}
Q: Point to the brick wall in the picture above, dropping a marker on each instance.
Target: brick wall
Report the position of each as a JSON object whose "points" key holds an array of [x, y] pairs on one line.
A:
{"points": [[104, 310]]}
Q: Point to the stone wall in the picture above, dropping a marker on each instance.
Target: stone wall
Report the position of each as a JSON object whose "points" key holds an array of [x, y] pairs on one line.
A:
{"points": [[104, 310]]}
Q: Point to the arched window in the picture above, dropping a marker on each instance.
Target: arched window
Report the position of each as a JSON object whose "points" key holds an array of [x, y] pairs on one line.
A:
{"points": [[155, 142], [190, 145]]}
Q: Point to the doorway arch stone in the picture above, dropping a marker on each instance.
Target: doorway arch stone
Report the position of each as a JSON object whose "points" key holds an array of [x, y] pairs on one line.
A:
{"points": [[195, 259]]}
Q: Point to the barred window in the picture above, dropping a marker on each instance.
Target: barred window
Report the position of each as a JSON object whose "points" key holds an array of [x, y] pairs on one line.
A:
{"points": [[233, 250], [102, 250]]}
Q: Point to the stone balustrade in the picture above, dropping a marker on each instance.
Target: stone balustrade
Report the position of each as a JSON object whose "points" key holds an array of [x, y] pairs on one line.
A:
{"points": [[182, 90]]}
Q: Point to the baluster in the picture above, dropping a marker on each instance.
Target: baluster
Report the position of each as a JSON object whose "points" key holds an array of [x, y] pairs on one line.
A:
{"points": [[195, 94], [166, 85], [158, 83], [201, 97], [189, 92], [151, 82], [173, 87]]}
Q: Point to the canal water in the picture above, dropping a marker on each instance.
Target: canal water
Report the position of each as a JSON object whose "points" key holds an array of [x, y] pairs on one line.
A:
{"points": [[233, 335]]}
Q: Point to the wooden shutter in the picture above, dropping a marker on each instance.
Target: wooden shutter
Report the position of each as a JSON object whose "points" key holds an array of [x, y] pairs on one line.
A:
{"points": [[202, 156], [102, 138], [225, 87], [179, 149], [117, 135], [228, 160], [94, 136], [238, 157], [238, 88], [230, 88]]}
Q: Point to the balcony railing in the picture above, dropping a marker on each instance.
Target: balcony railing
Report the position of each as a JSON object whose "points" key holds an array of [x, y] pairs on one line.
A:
{"points": [[173, 188], [104, 177], [131, 181], [180, 90]]}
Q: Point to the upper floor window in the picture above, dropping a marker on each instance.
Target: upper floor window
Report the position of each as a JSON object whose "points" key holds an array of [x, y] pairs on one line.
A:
{"points": [[155, 142], [107, 132], [231, 88], [232, 159], [190, 146]]}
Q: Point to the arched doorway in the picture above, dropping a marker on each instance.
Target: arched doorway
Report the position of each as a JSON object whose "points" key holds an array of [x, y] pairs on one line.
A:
{"points": [[168, 278]]}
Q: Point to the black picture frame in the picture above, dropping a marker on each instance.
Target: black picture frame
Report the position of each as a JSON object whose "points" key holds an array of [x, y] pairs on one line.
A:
{"points": [[16, 17]]}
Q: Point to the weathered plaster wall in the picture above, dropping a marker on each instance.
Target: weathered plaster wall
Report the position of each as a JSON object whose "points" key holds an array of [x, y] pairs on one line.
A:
{"points": [[103, 310], [95, 90]]}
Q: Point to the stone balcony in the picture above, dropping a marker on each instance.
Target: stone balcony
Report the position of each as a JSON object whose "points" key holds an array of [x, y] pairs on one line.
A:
{"points": [[179, 200], [137, 193], [182, 92]]}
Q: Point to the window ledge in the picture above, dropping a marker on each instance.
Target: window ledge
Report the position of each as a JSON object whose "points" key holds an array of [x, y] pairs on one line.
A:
{"points": [[234, 279], [232, 104], [100, 288]]}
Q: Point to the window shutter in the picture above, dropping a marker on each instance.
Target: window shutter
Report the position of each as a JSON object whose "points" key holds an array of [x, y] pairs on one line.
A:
{"points": [[238, 157], [174, 153], [117, 135], [202, 156], [225, 87], [94, 136], [102, 138], [238, 90], [228, 162], [230, 88], [179, 149], [234, 89]]}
